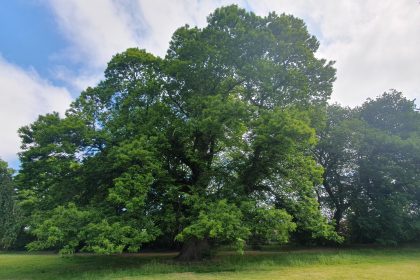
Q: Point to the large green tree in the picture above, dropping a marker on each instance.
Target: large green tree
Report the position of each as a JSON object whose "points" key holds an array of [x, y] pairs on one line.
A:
{"points": [[10, 218], [208, 145]]}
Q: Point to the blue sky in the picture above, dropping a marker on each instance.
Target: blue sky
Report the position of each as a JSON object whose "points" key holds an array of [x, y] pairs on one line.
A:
{"points": [[29, 35], [28, 39], [50, 50]]}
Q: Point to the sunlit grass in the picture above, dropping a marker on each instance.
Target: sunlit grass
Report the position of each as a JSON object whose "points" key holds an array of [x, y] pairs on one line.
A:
{"points": [[309, 264]]}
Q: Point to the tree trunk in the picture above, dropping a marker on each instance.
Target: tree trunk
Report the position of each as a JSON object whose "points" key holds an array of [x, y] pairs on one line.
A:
{"points": [[338, 215], [194, 250]]}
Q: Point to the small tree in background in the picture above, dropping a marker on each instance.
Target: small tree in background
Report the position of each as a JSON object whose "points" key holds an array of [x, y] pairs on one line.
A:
{"points": [[10, 219]]}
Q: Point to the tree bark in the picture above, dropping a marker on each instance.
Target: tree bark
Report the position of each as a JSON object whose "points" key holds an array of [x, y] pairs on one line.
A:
{"points": [[194, 250], [338, 215]]}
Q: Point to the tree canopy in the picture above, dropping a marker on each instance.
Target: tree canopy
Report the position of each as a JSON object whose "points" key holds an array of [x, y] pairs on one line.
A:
{"points": [[209, 145], [371, 157]]}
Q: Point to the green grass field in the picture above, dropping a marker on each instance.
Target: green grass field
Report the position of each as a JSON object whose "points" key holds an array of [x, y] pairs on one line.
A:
{"points": [[303, 264]]}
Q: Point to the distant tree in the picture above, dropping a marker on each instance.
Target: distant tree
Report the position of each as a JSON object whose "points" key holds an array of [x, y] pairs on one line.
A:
{"points": [[371, 180], [386, 206], [210, 145], [9, 213], [337, 152]]}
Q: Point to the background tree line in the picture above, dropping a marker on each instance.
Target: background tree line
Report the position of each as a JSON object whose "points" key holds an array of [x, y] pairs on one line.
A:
{"points": [[371, 160], [228, 139]]}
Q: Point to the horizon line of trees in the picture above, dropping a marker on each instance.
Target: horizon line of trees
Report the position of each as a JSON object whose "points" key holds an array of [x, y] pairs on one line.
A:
{"points": [[228, 139]]}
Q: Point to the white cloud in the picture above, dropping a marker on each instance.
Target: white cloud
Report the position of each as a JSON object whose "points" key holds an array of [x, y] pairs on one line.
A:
{"points": [[24, 95], [77, 81], [96, 29]]}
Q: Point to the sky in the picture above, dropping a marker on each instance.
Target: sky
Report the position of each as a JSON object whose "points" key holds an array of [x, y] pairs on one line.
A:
{"points": [[51, 50]]}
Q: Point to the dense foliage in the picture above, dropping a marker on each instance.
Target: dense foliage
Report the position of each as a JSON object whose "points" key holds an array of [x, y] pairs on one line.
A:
{"points": [[228, 139], [371, 158], [208, 145], [10, 218]]}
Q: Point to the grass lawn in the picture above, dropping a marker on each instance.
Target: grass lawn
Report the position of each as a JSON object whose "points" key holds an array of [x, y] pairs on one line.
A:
{"points": [[308, 264]]}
